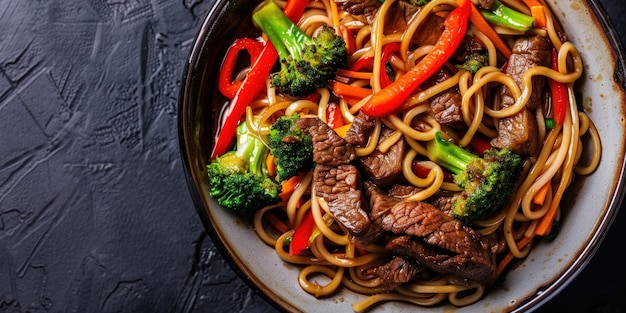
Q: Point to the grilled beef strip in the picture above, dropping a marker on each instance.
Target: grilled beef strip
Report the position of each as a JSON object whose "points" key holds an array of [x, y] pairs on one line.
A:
{"points": [[466, 266], [519, 132], [328, 147], [436, 239], [385, 168], [339, 187], [360, 130], [397, 271]]}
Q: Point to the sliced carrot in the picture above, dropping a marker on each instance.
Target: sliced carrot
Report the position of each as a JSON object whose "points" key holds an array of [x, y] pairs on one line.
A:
{"points": [[271, 165], [354, 74], [348, 36], [289, 185], [347, 90], [479, 21], [545, 223], [537, 12], [335, 13], [509, 256], [277, 223], [540, 196]]}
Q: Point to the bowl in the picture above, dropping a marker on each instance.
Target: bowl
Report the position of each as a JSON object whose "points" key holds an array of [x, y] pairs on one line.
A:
{"points": [[592, 204]]}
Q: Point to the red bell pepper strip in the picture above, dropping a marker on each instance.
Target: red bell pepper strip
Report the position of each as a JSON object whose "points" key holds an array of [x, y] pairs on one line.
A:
{"points": [[225, 84], [422, 172], [362, 63], [480, 144], [388, 50], [300, 238], [252, 84], [390, 98], [333, 115], [560, 94]]}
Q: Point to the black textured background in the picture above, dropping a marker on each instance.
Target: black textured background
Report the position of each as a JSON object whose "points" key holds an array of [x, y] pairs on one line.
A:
{"points": [[95, 215]]}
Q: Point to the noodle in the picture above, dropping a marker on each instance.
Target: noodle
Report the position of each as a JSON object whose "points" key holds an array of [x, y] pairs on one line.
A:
{"points": [[335, 259]]}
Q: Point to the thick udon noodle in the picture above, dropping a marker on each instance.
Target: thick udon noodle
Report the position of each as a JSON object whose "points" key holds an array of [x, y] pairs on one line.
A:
{"points": [[335, 261]]}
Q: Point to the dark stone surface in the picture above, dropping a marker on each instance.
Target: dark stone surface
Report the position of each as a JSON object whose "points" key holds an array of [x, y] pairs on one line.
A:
{"points": [[95, 215]]}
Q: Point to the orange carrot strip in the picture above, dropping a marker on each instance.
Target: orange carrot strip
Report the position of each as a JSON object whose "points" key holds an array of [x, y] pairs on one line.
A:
{"points": [[509, 256], [271, 165], [537, 12], [353, 74], [289, 185], [479, 21], [540, 196], [347, 90], [276, 222], [335, 13]]}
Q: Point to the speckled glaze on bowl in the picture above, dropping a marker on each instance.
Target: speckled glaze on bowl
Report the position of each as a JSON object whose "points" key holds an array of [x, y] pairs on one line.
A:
{"points": [[589, 208]]}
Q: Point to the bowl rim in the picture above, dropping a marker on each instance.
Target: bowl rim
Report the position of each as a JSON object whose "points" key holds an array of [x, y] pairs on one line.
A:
{"points": [[541, 297]]}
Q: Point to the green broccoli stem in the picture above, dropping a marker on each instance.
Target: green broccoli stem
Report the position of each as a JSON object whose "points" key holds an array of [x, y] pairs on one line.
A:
{"points": [[285, 35], [253, 150], [449, 155], [500, 14]]}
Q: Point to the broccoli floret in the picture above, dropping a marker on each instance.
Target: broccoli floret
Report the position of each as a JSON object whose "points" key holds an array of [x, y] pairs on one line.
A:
{"points": [[487, 182], [239, 179], [474, 62], [291, 146], [305, 63]]}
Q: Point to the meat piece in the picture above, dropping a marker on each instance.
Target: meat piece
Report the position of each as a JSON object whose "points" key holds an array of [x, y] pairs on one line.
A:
{"points": [[332, 181], [339, 187], [429, 31], [519, 132], [365, 8], [486, 4], [403, 191], [444, 203], [385, 168], [445, 106], [398, 271], [445, 244], [479, 268], [413, 218], [360, 131], [328, 147], [397, 17]]}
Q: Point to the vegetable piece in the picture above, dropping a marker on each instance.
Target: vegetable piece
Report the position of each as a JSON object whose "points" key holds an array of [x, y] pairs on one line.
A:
{"points": [[291, 146], [560, 94], [540, 196], [306, 63], [225, 84], [480, 143], [487, 182], [500, 14], [509, 256], [289, 185], [386, 54], [343, 90], [390, 98], [474, 62], [333, 115], [252, 84], [479, 21], [538, 12], [300, 238], [239, 180], [422, 172]]}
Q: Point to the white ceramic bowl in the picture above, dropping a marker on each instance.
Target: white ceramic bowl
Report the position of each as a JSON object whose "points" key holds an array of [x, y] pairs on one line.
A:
{"points": [[590, 207]]}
